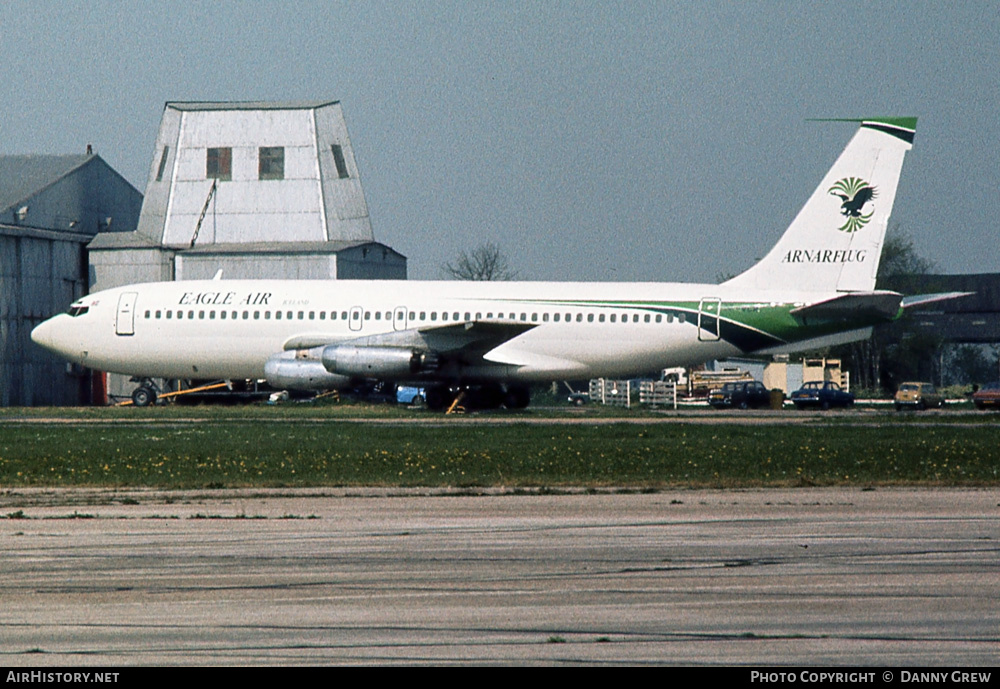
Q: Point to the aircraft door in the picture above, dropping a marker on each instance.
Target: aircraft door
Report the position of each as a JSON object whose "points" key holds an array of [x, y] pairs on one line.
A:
{"points": [[125, 322], [355, 318], [399, 318], [708, 319]]}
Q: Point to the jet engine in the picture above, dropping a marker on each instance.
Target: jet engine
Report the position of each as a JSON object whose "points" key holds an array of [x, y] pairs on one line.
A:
{"points": [[378, 362], [285, 371]]}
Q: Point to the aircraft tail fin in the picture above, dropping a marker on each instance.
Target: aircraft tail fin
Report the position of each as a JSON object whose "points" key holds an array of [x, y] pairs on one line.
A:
{"points": [[835, 242]]}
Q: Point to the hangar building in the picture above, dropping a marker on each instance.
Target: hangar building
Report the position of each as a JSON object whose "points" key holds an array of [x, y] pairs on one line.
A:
{"points": [[51, 206]]}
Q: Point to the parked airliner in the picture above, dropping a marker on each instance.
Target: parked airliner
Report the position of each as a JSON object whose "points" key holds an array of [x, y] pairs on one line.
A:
{"points": [[814, 288]]}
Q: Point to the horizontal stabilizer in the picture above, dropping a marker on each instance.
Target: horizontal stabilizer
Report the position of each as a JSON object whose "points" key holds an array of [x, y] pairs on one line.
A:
{"points": [[922, 299], [881, 304], [832, 340]]}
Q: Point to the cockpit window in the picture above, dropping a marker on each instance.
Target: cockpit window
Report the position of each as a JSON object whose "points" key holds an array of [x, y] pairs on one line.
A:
{"points": [[75, 311]]}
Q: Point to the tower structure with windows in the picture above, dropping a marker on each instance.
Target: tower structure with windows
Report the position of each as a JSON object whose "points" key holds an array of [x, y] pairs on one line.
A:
{"points": [[257, 190]]}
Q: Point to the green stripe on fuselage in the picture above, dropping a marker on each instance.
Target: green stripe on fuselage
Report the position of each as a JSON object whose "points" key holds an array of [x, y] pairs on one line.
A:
{"points": [[750, 326]]}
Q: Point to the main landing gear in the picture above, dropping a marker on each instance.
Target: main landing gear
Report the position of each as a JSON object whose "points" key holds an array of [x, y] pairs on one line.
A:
{"points": [[146, 394], [485, 396]]}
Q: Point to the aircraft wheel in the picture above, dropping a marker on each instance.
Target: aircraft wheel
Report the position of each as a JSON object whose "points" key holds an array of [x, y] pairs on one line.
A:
{"points": [[143, 396], [437, 397], [518, 397], [486, 396]]}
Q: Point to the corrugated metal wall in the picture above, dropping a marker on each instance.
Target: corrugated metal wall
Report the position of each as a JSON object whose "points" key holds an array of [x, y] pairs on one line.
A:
{"points": [[39, 276]]}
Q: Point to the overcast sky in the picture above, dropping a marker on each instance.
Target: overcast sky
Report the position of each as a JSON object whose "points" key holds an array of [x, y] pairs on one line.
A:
{"points": [[590, 140]]}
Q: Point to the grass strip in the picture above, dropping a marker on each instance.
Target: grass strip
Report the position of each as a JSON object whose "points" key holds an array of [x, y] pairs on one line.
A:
{"points": [[291, 453]]}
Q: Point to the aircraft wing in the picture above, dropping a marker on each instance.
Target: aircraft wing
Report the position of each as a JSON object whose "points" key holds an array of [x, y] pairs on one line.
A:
{"points": [[469, 340]]}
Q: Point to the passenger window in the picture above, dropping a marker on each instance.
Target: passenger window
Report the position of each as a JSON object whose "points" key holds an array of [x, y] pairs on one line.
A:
{"points": [[158, 314], [590, 318], [646, 318], [444, 315], [256, 315], [612, 318], [211, 315], [601, 318], [190, 315], [468, 316], [302, 315], [378, 315], [555, 317], [277, 315]]}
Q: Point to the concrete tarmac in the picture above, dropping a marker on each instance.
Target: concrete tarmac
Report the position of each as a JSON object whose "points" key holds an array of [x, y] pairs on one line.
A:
{"points": [[360, 576]]}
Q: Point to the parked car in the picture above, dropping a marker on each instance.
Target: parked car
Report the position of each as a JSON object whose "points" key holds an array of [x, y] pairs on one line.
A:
{"points": [[987, 396], [822, 394], [742, 395], [918, 396], [406, 394]]}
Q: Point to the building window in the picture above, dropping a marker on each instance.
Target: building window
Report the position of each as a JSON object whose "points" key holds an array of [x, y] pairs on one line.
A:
{"points": [[271, 162], [163, 164], [218, 164], [338, 160]]}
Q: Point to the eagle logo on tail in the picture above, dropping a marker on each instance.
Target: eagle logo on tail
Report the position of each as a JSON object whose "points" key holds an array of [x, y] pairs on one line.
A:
{"points": [[855, 193]]}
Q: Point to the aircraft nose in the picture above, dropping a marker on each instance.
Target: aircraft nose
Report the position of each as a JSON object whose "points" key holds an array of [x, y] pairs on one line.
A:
{"points": [[47, 334], [42, 334]]}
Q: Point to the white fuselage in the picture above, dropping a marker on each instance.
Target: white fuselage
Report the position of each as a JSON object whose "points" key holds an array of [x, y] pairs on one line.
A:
{"points": [[229, 329]]}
